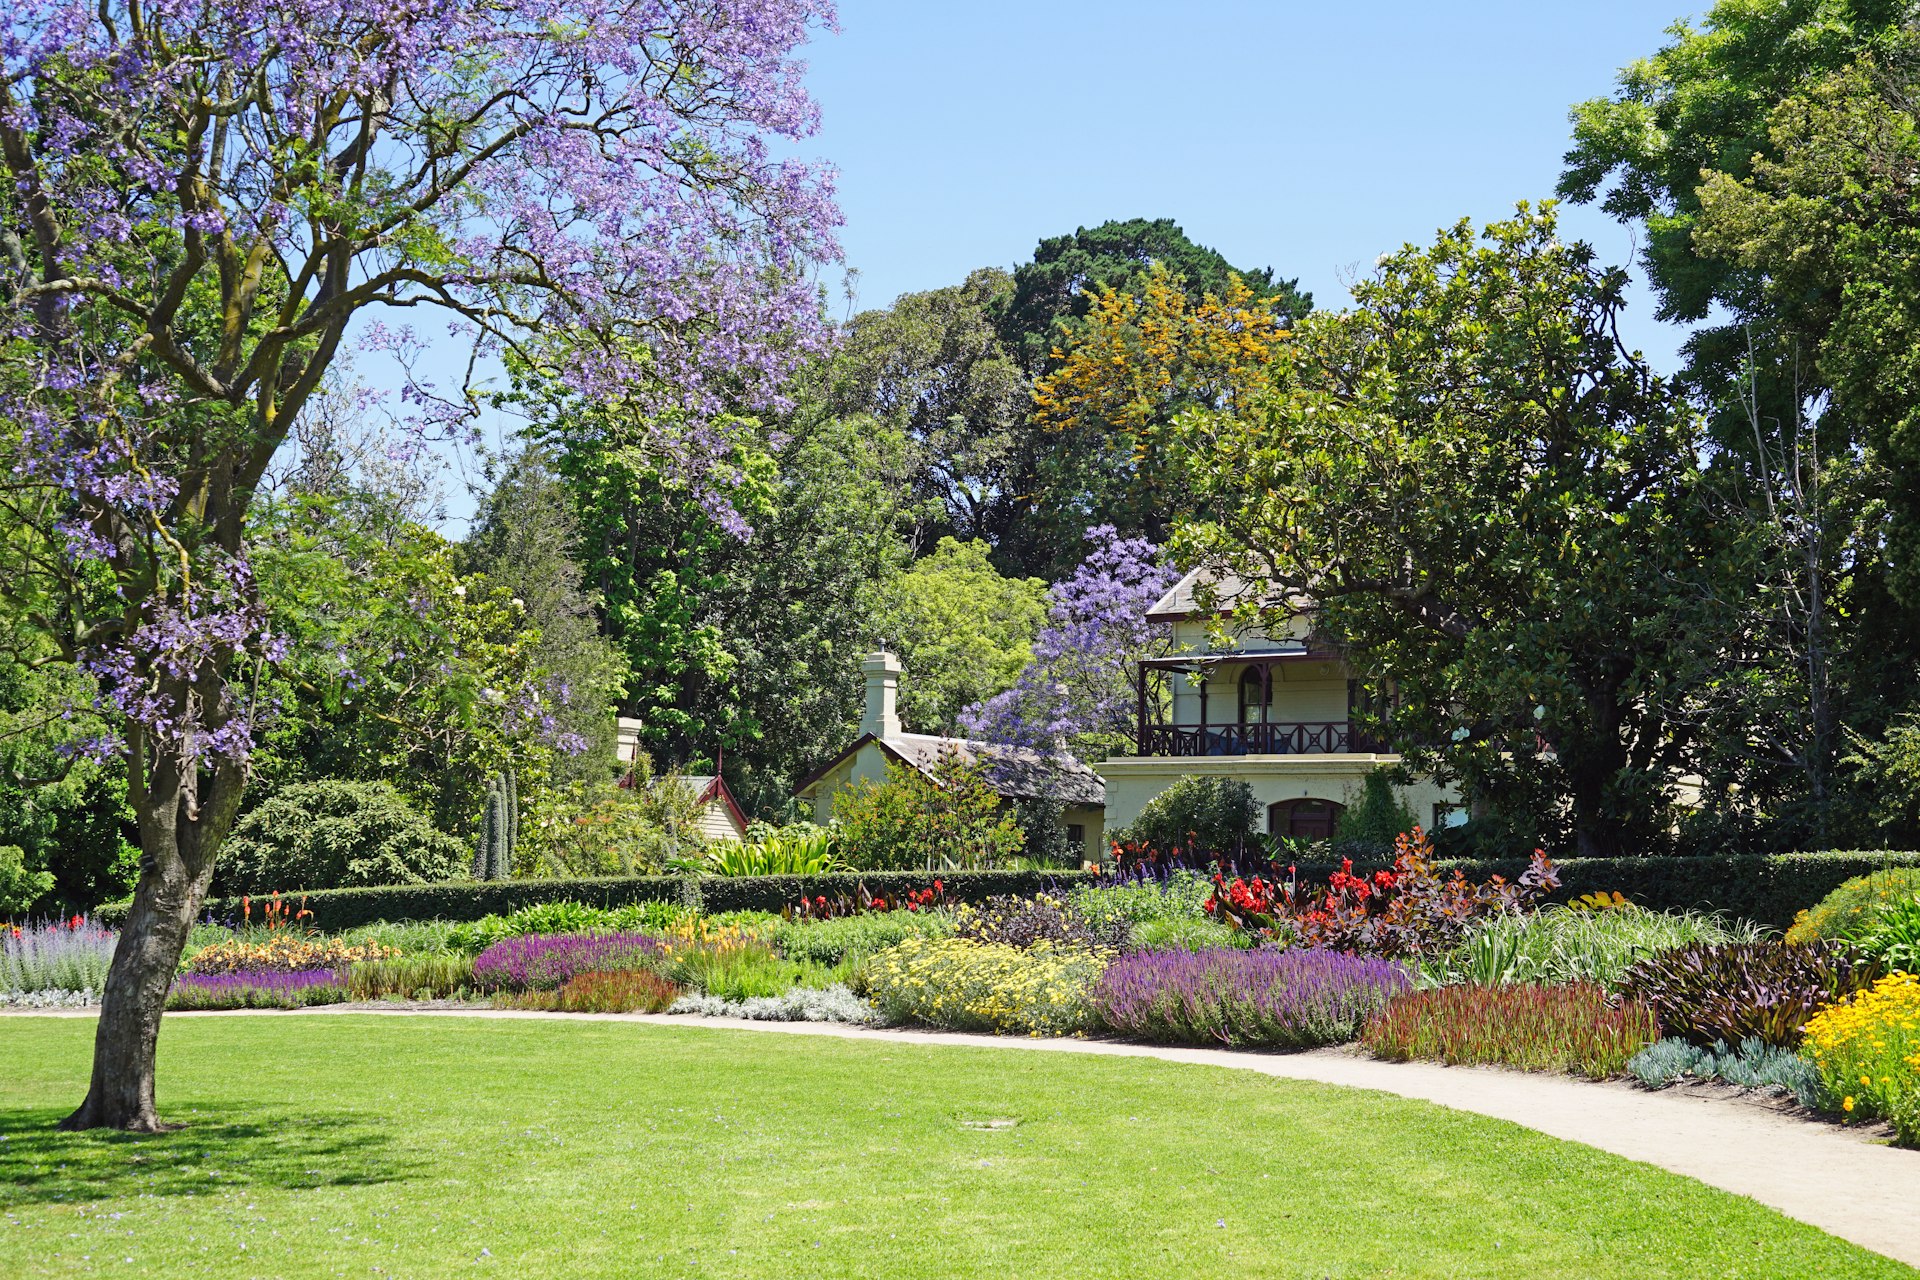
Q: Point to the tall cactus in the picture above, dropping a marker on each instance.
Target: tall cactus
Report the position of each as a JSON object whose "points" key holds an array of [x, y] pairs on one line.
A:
{"points": [[499, 856]]}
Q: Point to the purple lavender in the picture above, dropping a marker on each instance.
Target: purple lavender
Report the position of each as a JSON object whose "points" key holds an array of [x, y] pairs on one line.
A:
{"points": [[544, 961], [1266, 998], [58, 955], [258, 989]]}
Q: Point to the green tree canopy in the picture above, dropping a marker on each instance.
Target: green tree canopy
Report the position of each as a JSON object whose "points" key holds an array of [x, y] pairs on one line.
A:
{"points": [[1481, 494], [962, 631]]}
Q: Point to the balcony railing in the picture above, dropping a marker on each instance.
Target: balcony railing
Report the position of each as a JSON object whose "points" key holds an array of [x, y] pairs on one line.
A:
{"points": [[1328, 738]]}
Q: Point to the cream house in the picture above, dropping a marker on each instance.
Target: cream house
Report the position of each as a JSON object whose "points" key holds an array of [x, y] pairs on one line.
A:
{"points": [[721, 817], [1275, 711], [1015, 773]]}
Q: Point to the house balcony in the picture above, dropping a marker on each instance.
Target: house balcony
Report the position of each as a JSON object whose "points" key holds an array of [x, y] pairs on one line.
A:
{"points": [[1337, 737]]}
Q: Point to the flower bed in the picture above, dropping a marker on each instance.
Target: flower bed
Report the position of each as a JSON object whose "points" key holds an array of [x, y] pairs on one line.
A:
{"points": [[621, 991], [1266, 998], [1867, 1050], [1707, 993], [1571, 1028], [286, 952], [258, 989], [544, 962], [70, 955], [966, 985]]}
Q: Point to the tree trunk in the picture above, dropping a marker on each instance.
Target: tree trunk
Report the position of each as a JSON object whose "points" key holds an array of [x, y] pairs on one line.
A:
{"points": [[184, 813]]}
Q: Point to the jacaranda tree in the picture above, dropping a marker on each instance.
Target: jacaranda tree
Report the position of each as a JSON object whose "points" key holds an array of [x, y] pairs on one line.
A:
{"points": [[204, 199]]}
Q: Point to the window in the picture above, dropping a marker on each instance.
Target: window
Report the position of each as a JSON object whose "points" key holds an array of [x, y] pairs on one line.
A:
{"points": [[1253, 696], [1449, 815], [1076, 835], [1305, 819]]}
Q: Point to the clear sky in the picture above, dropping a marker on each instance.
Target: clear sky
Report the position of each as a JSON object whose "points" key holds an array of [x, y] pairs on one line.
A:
{"points": [[1306, 137]]}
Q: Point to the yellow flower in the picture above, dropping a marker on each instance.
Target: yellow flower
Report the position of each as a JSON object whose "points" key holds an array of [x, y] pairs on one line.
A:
{"points": [[1847, 1103]]}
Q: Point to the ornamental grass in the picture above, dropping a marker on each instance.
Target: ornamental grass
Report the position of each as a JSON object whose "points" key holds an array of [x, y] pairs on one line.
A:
{"points": [[257, 989], [428, 977], [1867, 1050], [1265, 998], [1570, 1028], [619, 991], [966, 985], [544, 962]]}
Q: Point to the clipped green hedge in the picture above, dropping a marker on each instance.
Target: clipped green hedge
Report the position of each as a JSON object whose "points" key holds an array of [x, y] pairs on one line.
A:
{"points": [[1767, 889], [336, 909]]}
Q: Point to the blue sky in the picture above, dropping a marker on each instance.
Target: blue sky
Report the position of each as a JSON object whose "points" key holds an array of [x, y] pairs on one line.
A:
{"points": [[1306, 137]]}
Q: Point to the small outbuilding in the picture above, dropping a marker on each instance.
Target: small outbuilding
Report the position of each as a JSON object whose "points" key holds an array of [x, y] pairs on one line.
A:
{"points": [[1016, 773]]}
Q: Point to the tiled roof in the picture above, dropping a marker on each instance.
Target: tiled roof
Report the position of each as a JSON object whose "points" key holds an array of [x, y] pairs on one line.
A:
{"points": [[1018, 773]]}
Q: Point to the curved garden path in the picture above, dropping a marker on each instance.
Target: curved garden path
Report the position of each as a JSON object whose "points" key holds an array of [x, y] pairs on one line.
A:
{"points": [[1840, 1180]]}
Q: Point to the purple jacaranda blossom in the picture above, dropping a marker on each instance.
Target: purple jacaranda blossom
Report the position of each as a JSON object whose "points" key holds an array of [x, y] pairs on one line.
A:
{"points": [[1081, 677], [589, 185], [1268, 998]]}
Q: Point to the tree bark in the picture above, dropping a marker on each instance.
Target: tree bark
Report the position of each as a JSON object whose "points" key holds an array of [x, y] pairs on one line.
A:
{"points": [[184, 811]]}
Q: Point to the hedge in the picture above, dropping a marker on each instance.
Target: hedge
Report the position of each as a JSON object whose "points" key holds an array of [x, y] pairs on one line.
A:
{"points": [[336, 909], [1767, 889]]}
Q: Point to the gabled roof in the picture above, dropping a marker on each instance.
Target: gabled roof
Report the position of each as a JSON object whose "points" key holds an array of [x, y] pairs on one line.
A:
{"points": [[1016, 773], [1227, 589], [707, 788]]}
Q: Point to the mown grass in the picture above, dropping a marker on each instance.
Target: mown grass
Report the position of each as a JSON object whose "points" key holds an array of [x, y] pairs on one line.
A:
{"points": [[434, 1146]]}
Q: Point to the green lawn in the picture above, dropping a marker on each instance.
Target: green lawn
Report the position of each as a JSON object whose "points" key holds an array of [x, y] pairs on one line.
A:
{"points": [[426, 1147]]}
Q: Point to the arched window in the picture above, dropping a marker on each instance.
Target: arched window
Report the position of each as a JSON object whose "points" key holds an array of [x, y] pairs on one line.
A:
{"points": [[1253, 696], [1305, 819]]}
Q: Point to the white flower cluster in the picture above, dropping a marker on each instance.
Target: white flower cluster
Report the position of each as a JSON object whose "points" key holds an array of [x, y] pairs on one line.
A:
{"points": [[49, 999], [802, 1004]]}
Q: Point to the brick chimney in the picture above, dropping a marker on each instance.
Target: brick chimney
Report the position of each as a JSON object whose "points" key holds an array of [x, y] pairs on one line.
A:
{"points": [[882, 718]]}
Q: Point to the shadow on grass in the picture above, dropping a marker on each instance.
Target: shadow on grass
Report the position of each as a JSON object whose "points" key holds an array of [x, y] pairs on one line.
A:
{"points": [[219, 1148]]}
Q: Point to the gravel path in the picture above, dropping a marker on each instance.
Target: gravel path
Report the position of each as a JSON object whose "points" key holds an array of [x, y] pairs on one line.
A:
{"points": [[1844, 1181]]}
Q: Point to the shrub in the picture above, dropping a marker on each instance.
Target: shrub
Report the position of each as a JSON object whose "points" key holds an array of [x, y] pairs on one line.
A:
{"points": [[1182, 895], [1568, 1028], [618, 991], [852, 938], [544, 962], [1024, 922], [965, 985], [734, 969], [947, 818], [1848, 908], [257, 989], [284, 952], [1867, 1050], [800, 850], [1754, 1065], [1413, 909], [69, 955], [428, 977], [1265, 998], [333, 834], [1215, 815], [20, 887], [833, 1003], [1705, 992], [1371, 822], [1892, 933], [564, 917], [1561, 944], [605, 829]]}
